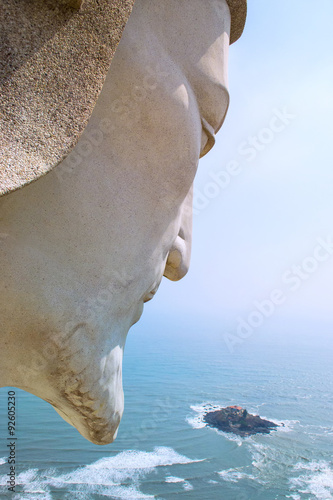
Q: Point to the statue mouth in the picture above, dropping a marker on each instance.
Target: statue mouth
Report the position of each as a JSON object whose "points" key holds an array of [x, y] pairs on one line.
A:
{"points": [[149, 296]]}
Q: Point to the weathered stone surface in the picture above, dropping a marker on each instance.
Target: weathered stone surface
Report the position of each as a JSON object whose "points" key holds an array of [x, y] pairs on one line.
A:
{"points": [[53, 62], [85, 246]]}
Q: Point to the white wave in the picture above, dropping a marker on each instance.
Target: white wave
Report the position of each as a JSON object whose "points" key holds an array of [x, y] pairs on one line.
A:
{"points": [[259, 455], [187, 486], [317, 430], [317, 480], [3, 461], [43, 495], [267, 460], [117, 477], [232, 437], [173, 479], [197, 421], [284, 425], [313, 466], [235, 475]]}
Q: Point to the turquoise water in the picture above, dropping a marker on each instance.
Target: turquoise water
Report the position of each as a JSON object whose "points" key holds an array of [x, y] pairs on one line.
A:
{"points": [[163, 449]]}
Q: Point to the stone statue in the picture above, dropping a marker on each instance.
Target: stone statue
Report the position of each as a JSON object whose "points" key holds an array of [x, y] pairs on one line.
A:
{"points": [[83, 247]]}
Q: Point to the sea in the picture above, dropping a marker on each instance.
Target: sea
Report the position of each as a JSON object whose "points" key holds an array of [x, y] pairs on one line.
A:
{"points": [[176, 369]]}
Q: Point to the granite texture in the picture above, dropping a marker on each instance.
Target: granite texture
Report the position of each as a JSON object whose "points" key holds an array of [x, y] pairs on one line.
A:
{"points": [[238, 10], [54, 59]]}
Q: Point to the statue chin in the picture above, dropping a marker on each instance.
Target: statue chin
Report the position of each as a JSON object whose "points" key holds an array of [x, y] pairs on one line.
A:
{"points": [[93, 406], [80, 374]]}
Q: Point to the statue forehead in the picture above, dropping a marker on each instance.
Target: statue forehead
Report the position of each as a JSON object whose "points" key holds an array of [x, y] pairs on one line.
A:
{"points": [[57, 55]]}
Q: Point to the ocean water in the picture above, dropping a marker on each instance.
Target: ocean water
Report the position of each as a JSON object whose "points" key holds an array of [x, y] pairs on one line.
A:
{"points": [[164, 450]]}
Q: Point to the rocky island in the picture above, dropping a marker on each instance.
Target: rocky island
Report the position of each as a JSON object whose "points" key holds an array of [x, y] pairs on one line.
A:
{"points": [[237, 420]]}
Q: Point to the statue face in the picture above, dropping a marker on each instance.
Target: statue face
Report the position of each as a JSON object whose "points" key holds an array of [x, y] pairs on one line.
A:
{"points": [[88, 243]]}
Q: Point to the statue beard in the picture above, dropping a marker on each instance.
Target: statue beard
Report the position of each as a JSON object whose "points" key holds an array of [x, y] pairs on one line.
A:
{"points": [[80, 375]]}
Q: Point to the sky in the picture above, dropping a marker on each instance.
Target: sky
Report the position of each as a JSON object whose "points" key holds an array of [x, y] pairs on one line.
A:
{"points": [[263, 233]]}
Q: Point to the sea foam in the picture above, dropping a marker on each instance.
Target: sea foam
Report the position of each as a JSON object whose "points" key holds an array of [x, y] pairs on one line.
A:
{"points": [[235, 475], [317, 479], [116, 476], [186, 485], [196, 421]]}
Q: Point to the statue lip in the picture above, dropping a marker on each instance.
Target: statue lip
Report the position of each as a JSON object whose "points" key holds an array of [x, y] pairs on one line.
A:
{"points": [[210, 134], [148, 296]]}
